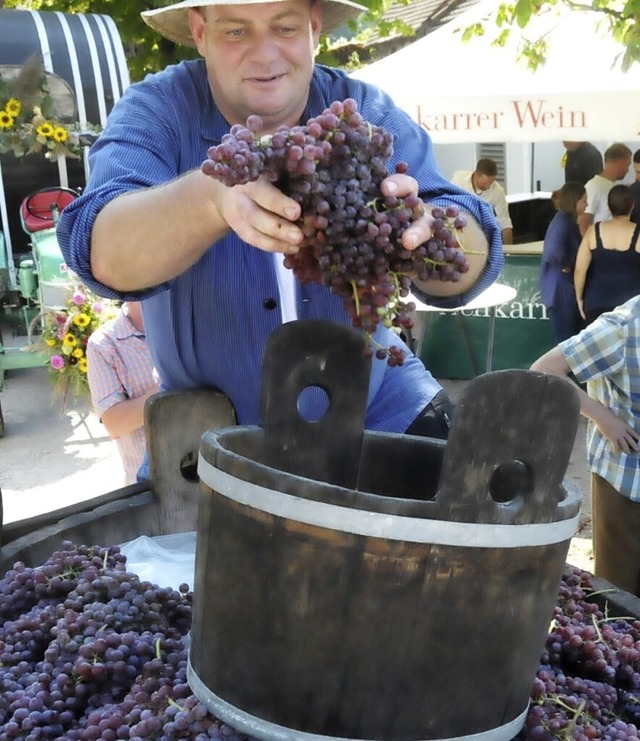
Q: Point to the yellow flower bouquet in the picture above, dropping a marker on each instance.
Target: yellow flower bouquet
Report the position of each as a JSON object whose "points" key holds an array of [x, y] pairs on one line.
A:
{"points": [[28, 120], [65, 335]]}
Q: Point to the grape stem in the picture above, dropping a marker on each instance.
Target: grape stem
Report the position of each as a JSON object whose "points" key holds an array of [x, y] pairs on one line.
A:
{"points": [[356, 296], [597, 629], [568, 731], [575, 713], [181, 708]]}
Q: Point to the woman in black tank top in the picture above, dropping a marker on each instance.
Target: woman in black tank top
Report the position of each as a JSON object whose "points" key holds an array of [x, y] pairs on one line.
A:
{"points": [[607, 271]]}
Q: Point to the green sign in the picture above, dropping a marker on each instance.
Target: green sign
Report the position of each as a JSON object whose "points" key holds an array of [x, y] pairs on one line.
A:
{"points": [[454, 344]]}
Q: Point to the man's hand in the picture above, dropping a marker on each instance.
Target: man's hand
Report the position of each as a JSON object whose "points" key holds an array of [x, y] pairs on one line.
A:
{"points": [[622, 437], [260, 215], [473, 239]]}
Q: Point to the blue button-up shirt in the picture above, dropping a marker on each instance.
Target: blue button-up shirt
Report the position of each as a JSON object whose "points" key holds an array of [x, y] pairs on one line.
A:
{"points": [[209, 326], [606, 356]]}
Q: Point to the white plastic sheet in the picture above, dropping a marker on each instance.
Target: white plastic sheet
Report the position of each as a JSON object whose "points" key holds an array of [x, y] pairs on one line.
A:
{"points": [[166, 560]]}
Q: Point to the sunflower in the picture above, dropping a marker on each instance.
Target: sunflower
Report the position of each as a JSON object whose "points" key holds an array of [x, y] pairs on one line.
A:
{"points": [[81, 320], [13, 107], [60, 134], [65, 337], [6, 120], [45, 129]]}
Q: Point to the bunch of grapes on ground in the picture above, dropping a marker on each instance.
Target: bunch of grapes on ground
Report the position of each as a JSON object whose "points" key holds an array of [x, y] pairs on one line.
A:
{"points": [[90, 652], [333, 167]]}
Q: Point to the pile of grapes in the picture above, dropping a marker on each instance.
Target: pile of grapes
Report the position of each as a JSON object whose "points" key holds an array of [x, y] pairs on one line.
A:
{"points": [[588, 682], [333, 167], [89, 652]]}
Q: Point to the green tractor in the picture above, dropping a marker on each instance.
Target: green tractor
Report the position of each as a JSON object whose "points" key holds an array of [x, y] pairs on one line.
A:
{"points": [[35, 283]]}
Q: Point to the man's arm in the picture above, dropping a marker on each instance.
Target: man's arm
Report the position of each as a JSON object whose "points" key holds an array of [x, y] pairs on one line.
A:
{"points": [[148, 236], [125, 417], [617, 431], [476, 246], [502, 213]]}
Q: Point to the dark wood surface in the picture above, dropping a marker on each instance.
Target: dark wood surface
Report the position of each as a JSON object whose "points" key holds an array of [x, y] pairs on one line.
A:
{"points": [[330, 357], [509, 448], [175, 422]]}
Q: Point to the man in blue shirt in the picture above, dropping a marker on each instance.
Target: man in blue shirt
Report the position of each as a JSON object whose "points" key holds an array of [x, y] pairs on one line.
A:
{"points": [[207, 259]]}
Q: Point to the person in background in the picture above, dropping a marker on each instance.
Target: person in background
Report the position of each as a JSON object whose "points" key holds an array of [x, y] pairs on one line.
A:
{"points": [[581, 162], [635, 188], [121, 378], [604, 356], [482, 182], [607, 271], [207, 259], [617, 159], [559, 250]]}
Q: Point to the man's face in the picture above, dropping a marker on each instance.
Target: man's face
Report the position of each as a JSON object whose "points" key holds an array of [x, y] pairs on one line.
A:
{"points": [[482, 181], [636, 167], [622, 167], [259, 57]]}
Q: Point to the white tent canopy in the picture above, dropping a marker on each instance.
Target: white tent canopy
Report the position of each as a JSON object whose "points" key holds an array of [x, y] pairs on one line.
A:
{"points": [[463, 92]]}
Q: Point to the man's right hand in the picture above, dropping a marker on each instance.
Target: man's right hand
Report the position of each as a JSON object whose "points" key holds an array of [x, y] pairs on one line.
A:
{"points": [[148, 236], [260, 215]]}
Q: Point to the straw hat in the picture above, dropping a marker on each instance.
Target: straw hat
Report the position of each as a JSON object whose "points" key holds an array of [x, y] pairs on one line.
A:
{"points": [[172, 22]]}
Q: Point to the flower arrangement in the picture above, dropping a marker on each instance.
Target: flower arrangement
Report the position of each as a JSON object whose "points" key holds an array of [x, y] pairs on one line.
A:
{"points": [[65, 335], [28, 122]]}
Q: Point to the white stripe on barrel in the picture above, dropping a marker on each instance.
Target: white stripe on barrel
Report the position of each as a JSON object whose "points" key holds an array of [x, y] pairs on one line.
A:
{"points": [[259, 728], [381, 525]]}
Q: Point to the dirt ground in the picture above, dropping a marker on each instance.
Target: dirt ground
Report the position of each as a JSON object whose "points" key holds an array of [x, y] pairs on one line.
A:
{"points": [[50, 457]]}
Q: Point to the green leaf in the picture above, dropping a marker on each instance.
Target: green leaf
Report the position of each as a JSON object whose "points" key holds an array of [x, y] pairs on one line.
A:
{"points": [[523, 11], [470, 32]]}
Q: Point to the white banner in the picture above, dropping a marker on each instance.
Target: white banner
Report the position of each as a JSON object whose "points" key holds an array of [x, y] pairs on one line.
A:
{"points": [[469, 92], [526, 118]]}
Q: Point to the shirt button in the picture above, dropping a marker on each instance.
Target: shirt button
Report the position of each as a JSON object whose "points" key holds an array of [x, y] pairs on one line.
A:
{"points": [[270, 303]]}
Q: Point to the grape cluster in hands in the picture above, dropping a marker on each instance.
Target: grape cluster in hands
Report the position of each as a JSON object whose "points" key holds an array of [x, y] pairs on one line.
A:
{"points": [[333, 167]]}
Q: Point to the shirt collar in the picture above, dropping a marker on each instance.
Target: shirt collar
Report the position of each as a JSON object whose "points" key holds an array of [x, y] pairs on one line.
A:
{"points": [[123, 328]]}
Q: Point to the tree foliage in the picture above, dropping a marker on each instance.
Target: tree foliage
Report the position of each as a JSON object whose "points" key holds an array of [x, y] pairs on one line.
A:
{"points": [[620, 20], [147, 51]]}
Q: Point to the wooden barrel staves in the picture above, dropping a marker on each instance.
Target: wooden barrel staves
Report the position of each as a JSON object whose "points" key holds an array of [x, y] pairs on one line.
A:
{"points": [[385, 609]]}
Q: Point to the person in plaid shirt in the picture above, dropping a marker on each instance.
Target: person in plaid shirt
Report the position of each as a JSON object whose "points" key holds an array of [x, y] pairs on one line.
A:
{"points": [[606, 356], [121, 378]]}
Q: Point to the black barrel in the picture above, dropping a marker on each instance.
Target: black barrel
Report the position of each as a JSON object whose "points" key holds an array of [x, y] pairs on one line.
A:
{"points": [[414, 606]]}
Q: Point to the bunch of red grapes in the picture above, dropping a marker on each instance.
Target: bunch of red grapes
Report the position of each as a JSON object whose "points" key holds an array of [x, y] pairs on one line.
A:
{"points": [[333, 167]]}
